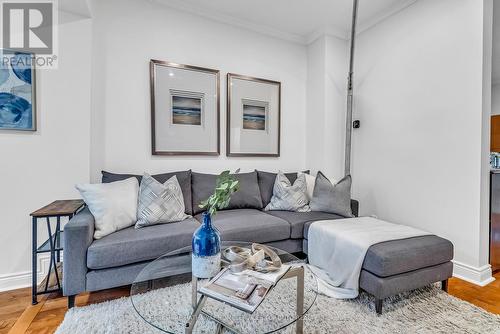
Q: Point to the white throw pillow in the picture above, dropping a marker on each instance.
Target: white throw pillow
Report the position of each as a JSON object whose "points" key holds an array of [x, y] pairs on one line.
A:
{"points": [[310, 181], [113, 205]]}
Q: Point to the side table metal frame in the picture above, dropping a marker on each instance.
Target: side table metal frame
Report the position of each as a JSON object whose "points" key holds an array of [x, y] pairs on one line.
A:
{"points": [[52, 245], [198, 304]]}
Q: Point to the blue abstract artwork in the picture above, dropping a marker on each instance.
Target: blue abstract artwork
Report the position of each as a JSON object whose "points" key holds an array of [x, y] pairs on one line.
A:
{"points": [[16, 91]]}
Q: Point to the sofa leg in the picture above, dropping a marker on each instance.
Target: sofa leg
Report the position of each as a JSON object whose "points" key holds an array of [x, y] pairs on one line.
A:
{"points": [[444, 285], [378, 306], [71, 301]]}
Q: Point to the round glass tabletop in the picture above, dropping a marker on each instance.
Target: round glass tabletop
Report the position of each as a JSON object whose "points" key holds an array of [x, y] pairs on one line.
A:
{"points": [[165, 295]]}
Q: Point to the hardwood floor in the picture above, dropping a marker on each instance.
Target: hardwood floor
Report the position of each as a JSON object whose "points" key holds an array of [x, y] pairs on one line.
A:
{"points": [[487, 297], [17, 315]]}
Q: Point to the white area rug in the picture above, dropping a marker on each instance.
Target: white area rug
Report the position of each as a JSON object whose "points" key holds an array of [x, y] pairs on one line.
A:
{"points": [[427, 310]]}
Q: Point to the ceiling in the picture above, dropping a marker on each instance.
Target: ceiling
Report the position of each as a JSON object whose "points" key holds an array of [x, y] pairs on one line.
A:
{"points": [[77, 7], [296, 20], [300, 21]]}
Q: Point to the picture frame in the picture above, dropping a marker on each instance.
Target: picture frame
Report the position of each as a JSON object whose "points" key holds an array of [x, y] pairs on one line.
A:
{"points": [[253, 109], [17, 91], [185, 109]]}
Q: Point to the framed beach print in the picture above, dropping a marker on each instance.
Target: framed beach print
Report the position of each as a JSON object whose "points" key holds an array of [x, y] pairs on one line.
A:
{"points": [[184, 109], [17, 91], [253, 117]]}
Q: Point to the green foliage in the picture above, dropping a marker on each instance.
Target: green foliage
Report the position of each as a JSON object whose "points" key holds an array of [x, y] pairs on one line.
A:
{"points": [[225, 186]]}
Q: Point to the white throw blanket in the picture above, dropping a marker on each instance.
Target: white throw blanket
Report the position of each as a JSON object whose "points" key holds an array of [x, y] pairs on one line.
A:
{"points": [[337, 249]]}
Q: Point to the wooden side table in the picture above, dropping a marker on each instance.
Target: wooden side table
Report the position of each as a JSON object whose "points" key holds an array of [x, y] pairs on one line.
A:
{"points": [[54, 243]]}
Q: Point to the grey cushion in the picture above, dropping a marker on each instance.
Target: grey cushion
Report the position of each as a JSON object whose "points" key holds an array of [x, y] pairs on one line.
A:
{"points": [[383, 287], [289, 197], [248, 195], [333, 198], [124, 275], [250, 225], [108, 177], [113, 277], [184, 178], [266, 184], [400, 256], [289, 245], [298, 219], [131, 245]]}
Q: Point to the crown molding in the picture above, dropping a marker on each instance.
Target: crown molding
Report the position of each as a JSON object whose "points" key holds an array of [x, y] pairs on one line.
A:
{"points": [[330, 31], [383, 15], [222, 18], [75, 8], [273, 32], [369, 23]]}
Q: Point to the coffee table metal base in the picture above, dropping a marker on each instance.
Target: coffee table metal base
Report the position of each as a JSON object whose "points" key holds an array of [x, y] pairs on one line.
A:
{"points": [[198, 304]]}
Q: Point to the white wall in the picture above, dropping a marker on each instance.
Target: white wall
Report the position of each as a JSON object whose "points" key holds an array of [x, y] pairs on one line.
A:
{"points": [[127, 34], [337, 52], [316, 104], [326, 101], [484, 191], [418, 157], [42, 166]]}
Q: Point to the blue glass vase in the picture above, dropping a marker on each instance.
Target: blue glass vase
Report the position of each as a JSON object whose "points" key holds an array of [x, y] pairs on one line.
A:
{"points": [[206, 259]]}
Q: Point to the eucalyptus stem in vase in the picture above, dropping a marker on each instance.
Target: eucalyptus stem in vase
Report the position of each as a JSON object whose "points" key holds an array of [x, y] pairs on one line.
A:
{"points": [[206, 256]]}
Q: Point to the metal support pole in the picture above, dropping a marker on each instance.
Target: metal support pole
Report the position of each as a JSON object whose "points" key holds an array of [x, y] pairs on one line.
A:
{"points": [[299, 329], [194, 291], [34, 245], [348, 132], [57, 240]]}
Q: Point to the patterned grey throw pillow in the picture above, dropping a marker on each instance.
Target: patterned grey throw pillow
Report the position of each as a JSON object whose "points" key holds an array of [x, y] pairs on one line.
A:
{"points": [[159, 203], [288, 197], [332, 198]]}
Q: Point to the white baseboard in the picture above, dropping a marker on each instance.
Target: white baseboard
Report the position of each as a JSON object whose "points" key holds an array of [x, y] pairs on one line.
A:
{"points": [[480, 276], [23, 279]]}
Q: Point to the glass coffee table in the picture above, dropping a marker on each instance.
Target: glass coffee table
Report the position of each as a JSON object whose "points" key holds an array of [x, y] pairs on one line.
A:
{"points": [[165, 295]]}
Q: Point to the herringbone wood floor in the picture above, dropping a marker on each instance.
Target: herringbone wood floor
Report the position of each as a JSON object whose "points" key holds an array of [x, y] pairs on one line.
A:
{"points": [[17, 315]]}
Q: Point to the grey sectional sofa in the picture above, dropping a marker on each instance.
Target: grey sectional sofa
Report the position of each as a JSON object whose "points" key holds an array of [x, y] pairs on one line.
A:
{"points": [[115, 260]]}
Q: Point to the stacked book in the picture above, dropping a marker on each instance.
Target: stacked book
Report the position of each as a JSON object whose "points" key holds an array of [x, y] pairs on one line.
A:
{"points": [[244, 290]]}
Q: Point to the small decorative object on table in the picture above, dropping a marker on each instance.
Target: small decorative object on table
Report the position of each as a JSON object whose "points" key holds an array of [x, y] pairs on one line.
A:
{"points": [[206, 256], [248, 278]]}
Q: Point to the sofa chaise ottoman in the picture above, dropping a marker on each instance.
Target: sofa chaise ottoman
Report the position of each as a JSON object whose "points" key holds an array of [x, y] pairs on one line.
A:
{"points": [[116, 259], [397, 266]]}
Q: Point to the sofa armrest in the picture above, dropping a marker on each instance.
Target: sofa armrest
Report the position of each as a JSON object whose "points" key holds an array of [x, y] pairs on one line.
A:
{"points": [[355, 207], [78, 235]]}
